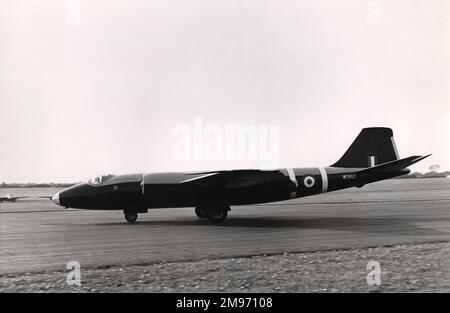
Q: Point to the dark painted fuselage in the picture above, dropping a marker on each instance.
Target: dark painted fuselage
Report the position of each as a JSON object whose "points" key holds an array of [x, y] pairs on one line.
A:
{"points": [[163, 190]]}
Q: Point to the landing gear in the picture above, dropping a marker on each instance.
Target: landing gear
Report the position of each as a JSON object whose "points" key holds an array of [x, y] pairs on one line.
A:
{"points": [[215, 212], [131, 214], [201, 213], [218, 215], [131, 217]]}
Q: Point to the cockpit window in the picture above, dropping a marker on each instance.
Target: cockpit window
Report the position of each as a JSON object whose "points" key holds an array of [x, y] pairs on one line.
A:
{"points": [[99, 179]]}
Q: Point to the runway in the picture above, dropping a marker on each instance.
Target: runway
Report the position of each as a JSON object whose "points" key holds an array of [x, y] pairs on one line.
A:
{"points": [[38, 236]]}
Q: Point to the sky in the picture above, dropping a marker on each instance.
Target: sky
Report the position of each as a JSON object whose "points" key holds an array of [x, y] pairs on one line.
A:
{"points": [[107, 86]]}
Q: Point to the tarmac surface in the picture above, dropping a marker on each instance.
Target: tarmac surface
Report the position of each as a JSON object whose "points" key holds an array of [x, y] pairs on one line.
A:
{"points": [[38, 236]]}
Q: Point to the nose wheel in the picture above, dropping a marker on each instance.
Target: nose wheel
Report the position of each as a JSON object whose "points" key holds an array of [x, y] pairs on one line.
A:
{"points": [[131, 217]]}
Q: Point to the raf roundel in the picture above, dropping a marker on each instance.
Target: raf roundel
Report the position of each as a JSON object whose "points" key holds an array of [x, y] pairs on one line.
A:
{"points": [[309, 181]]}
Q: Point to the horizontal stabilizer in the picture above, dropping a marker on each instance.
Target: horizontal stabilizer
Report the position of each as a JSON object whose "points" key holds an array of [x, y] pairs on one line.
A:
{"points": [[393, 166]]}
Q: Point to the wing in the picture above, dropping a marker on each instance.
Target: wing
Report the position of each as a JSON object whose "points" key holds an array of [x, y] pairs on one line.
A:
{"points": [[230, 179]]}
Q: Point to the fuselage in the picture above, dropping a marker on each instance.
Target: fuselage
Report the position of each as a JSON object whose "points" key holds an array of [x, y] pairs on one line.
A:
{"points": [[165, 190]]}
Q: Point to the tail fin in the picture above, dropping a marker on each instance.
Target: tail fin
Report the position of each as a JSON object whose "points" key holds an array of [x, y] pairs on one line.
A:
{"points": [[373, 146]]}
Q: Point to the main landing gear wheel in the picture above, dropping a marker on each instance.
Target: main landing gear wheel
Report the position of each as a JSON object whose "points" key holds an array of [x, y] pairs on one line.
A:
{"points": [[218, 215], [201, 213], [131, 217]]}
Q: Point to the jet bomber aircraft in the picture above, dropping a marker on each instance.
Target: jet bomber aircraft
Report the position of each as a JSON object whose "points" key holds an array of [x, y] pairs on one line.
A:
{"points": [[9, 198], [371, 157]]}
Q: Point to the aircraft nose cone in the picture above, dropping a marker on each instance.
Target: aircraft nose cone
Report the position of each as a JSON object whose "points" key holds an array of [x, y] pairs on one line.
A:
{"points": [[55, 198]]}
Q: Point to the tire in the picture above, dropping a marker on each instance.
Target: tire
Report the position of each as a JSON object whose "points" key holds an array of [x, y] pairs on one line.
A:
{"points": [[131, 217], [201, 213], [218, 215]]}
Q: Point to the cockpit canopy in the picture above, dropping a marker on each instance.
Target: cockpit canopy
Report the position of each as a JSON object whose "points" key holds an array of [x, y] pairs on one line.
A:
{"points": [[99, 179]]}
